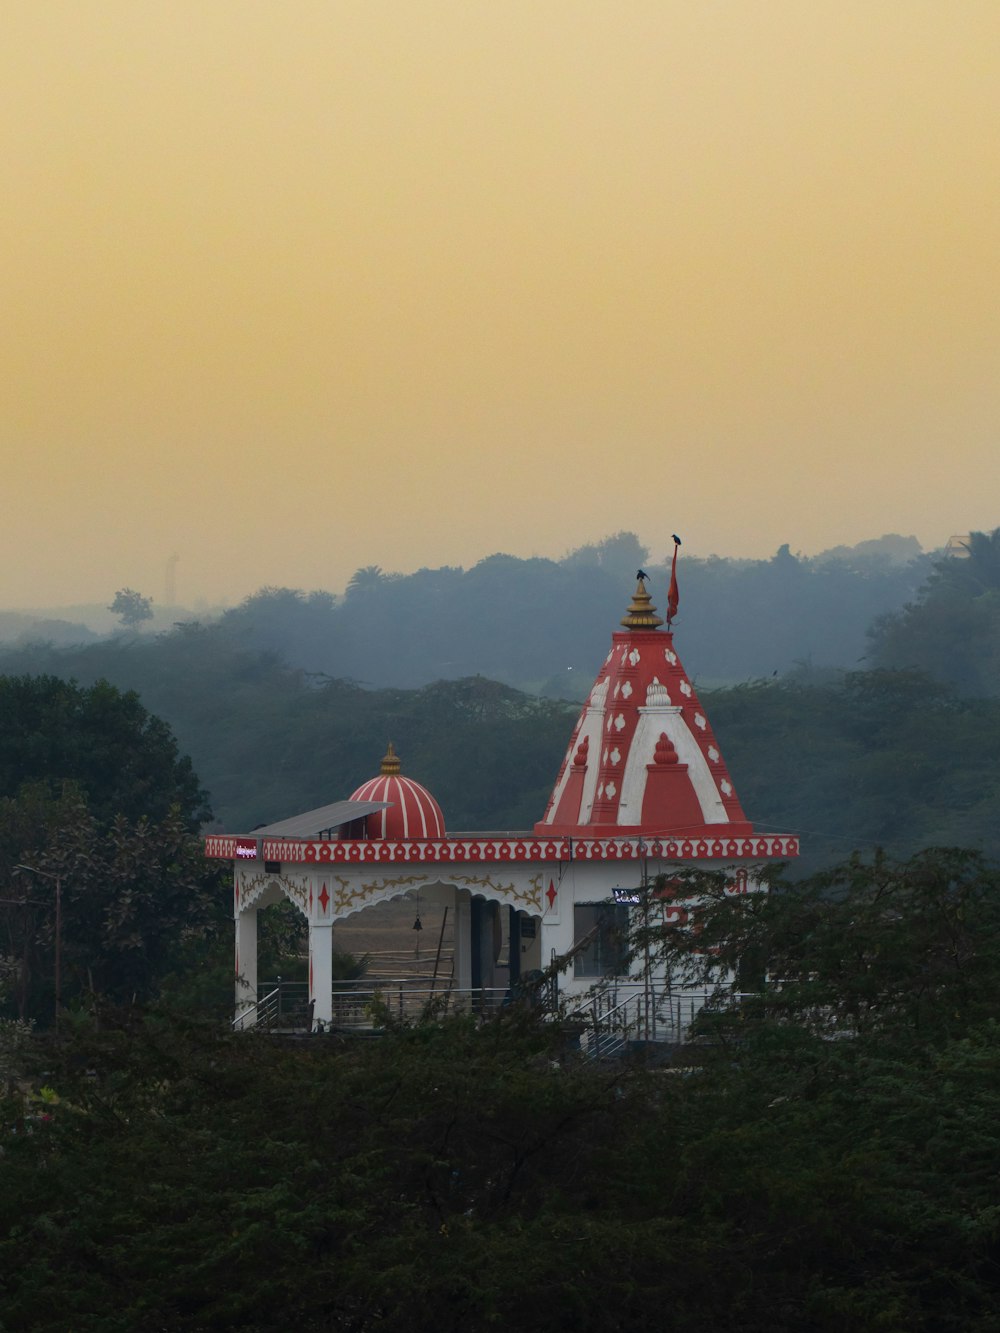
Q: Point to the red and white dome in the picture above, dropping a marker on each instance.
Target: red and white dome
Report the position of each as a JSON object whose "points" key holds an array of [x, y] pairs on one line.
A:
{"points": [[642, 758], [413, 811]]}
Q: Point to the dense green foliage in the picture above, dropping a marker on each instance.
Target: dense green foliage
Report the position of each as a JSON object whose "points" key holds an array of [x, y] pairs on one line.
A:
{"points": [[875, 758], [132, 896], [883, 757], [124, 759], [269, 742], [907, 952], [96, 799], [952, 629], [458, 1176]]}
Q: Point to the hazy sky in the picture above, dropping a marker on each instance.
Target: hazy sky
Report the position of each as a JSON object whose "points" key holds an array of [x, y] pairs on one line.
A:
{"points": [[289, 288]]}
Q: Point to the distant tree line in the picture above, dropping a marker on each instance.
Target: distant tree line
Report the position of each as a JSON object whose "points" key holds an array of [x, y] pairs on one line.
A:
{"points": [[536, 624]]}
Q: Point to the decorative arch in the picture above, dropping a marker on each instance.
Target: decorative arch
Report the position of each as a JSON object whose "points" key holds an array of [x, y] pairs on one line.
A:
{"points": [[266, 888], [348, 895]]}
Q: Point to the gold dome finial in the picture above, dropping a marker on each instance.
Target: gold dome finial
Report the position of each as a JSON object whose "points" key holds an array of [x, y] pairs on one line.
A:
{"points": [[641, 613], [390, 764]]}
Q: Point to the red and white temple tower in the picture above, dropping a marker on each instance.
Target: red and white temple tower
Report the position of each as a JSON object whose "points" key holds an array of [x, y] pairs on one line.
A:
{"points": [[643, 790]]}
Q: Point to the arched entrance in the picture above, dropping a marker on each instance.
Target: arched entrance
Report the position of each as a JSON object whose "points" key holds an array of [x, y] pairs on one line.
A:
{"points": [[472, 950]]}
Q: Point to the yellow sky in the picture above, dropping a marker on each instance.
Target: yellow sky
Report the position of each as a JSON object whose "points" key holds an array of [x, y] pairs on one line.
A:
{"points": [[290, 288]]}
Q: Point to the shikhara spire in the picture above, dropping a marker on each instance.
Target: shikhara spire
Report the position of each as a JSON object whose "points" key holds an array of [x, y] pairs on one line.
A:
{"points": [[643, 758]]}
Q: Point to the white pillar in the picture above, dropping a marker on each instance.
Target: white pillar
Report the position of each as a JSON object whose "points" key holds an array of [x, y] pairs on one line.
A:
{"points": [[246, 968], [463, 940], [321, 972]]}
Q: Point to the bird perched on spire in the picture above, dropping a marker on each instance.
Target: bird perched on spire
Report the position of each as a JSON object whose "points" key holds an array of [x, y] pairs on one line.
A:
{"points": [[641, 574]]}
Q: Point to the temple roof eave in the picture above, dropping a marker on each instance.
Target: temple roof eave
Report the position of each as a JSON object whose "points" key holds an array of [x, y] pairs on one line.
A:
{"points": [[720, 843]]}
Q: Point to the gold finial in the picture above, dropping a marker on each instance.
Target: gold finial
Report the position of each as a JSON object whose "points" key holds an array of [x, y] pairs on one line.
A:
{"points": [[390, 764], [641, 613]]}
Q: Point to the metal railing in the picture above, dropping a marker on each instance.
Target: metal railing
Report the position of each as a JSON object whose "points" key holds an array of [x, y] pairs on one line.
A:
{"points": [[260, 1015], [365, 1005], [610, 1028], [609, 1017], [619, 1013], [280, 1006], [407, 1000]]}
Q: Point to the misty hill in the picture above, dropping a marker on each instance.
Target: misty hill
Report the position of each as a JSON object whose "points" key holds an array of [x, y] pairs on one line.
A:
{"points": [[888, 757], [543, 625], [85, 621], [20, 627], [268, 741]]}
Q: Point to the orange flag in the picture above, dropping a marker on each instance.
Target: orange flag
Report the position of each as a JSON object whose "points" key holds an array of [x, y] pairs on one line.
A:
{"points": [[673, 594]]}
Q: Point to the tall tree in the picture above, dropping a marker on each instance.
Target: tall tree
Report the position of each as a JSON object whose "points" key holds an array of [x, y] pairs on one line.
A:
{"points": [[899, 950], [124, 759], [131, 607], [952, 628], [118, 902]]}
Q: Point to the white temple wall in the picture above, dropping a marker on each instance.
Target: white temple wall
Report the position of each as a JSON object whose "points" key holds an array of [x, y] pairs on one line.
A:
{"points": [[547, 892], [597, 882]]}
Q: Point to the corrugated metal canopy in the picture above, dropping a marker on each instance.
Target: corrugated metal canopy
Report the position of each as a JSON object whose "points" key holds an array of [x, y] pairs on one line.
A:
{"points": [[313, 823]]}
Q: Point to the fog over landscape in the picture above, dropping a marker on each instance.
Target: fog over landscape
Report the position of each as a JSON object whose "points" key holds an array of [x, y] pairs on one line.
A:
{"points": [[534, 622], [407, 286]]}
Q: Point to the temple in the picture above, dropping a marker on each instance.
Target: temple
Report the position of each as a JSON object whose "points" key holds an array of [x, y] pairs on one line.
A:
{"points": [[643, 790]]}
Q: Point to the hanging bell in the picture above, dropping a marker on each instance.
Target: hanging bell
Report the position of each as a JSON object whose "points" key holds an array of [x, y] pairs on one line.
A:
{"points": [[418, 925]]}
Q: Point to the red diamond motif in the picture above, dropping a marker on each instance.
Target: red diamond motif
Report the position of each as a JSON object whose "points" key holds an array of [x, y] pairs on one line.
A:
{"points": [[550, 893], [324, 897]]}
